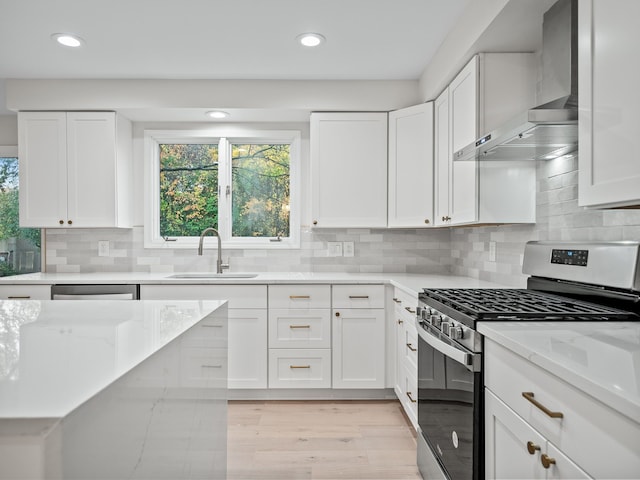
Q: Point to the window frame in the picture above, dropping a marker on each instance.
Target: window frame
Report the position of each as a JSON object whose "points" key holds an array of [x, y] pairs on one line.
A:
{"points": [[224, 138]]}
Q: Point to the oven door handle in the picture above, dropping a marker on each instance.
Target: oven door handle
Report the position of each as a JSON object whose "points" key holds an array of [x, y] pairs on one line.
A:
{"points": [[470, 360]]}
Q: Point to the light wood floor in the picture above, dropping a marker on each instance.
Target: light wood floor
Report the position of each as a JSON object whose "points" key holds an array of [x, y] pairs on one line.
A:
{"points": [[301, 440]]}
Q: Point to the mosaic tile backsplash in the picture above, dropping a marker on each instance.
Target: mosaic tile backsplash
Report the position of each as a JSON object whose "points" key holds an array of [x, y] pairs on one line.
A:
{"points": [[460, 251]]}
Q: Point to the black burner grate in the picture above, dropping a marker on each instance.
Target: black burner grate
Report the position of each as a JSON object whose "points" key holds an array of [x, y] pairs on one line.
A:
{"points": [[497, 304]]}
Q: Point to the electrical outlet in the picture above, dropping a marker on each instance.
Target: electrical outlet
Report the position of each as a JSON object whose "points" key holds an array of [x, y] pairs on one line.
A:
{"points": [[334, 249], [492, 251], [103, 248], [347, 249]]}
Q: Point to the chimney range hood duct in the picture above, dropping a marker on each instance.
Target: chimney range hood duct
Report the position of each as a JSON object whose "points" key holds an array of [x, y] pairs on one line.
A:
{"points": [[551, 129]]}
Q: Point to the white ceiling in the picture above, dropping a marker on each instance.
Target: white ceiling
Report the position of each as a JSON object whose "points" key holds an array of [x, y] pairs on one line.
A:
{"points": [[214, 39], [231, 39]]}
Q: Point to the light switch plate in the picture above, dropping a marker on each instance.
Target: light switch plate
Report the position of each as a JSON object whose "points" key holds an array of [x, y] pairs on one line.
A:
{"points": [[334, 249], [347, 249], [103, 248]]}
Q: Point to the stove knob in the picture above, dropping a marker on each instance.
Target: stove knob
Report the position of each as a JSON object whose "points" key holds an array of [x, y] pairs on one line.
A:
{"points": [[445, 327], [456, 333], [418, 311], [435, 320]]}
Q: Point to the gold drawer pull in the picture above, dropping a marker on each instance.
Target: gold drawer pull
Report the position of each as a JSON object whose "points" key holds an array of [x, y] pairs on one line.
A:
{"points": [[212, 326], [397, 301], [299, 366], [547, 461], [410, 347], [400, 322], [358, 297], [532, 447], [18, 297], [408, 309], [299, 326], [411, 398], [298, 297], [211, 366], [529, 396]]}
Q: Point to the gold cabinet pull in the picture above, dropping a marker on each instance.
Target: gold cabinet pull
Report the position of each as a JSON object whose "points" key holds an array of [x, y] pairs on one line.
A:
{"points": [[211, 366], [211, 326], [410, 347], [61, 222], [299, 366], [411, 398], [358, 297], [397, 301], [69, 222], [299, 326], [400, 322], [426, 221], [532, 447], [298, 297], [18, 297], [529, 396], [546, 460], [315, 222], [337, 314], [408, 309]]}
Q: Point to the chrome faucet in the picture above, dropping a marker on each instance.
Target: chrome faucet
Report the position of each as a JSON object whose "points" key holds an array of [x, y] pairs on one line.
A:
{"points": [[220, 266]]}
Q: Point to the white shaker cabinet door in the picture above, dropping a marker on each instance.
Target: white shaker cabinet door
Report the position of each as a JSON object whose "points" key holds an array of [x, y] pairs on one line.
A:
{"points": [[411, 167], [349, 170], [247, 348], [609, 98], [42, 156]]}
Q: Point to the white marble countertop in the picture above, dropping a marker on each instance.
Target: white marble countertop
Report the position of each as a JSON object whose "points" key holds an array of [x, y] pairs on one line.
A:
{"points": [[600, 358], [411, 283], [55, 355]]}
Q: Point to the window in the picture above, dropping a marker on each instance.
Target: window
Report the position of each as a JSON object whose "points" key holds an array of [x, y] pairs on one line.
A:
{"points": [[242, 185], [19, 247]]}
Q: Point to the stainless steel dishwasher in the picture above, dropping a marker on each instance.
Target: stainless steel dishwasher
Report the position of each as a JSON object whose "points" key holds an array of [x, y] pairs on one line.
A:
{"points": [[95, 292]]}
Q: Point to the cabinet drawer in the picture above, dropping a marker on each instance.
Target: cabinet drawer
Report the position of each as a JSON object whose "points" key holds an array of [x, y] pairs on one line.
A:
{"points": [[358, 296], [299, 296], [299, 368], [239, 296], [404, 301], [599, 439], [25, 292], [299, 328]]}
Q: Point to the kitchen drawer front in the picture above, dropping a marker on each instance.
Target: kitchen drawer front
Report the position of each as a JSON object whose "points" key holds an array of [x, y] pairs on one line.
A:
{"points": [[300, 296], [602, 441], [25, 292], [409, 384], [300, 328], [405, 302], [238, 296], [410, 350], [300, 368], [358, 296]]}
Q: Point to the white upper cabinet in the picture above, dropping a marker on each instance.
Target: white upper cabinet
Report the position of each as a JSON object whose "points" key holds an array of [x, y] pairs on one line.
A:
{"points": [[489, 91], [349, 170], [75, 169], [609, 97], [411, 167]]}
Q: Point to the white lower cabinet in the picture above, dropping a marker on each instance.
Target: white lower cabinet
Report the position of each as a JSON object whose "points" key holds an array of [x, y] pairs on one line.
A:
{"points": [[406, 355], [299, 336], [299, 368], [247, 348], [515, 450], [25, 292], [358, 344], [577, 436]]}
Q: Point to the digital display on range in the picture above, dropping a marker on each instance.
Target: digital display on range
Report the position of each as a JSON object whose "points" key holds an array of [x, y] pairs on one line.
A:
{"points": [[570, 257]]}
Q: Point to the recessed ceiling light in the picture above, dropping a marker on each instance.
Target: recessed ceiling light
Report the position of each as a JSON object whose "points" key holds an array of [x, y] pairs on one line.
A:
{"points": [[68, 39], [217, 114], [310, 39]]}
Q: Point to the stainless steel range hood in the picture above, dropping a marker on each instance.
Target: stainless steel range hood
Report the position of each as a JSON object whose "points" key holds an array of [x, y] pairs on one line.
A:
{"points": [[551, 129]]}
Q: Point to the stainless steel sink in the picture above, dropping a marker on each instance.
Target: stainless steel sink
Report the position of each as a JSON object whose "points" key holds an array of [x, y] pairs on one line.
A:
{"points": [[206, 275]]}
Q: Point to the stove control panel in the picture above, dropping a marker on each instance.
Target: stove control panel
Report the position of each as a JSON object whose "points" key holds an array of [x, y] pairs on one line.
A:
{"points": [[570, 257], [447, 325]]}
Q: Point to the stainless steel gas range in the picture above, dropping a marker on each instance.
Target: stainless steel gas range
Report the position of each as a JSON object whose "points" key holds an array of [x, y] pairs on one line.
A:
{"points": [[567, 281]]}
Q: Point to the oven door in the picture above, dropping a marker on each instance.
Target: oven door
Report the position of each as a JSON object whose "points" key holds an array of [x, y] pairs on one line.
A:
{"points": [[449, 408]]}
